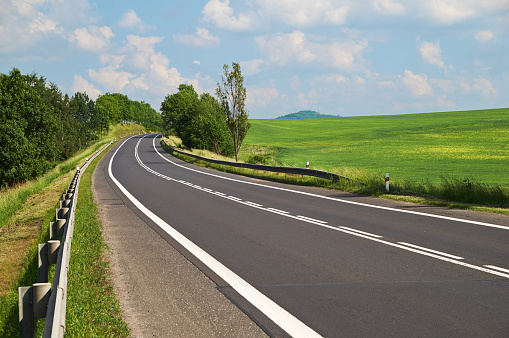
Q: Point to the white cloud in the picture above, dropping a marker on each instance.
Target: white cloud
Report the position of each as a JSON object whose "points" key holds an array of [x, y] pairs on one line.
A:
{"points": [[417, 84], [261, 97], [196, 62], [130, 20], [302, 13], [432, 54], [388, 7], [111, 60], [331, 78], [144, 44], [113, 80], [220, 13], [484, 36], [345, 54], [93, 39], [447, 12], [385, 84], [306, 101], [201, 38], [140, 83], [251, 67], [359, 80], [43, 24], [282, 48], [82, 85], [485, 87], [164, 79]]}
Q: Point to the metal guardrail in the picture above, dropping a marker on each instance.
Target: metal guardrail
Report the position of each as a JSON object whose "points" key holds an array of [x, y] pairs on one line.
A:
{"points": [[40, 300], [287, 170]]}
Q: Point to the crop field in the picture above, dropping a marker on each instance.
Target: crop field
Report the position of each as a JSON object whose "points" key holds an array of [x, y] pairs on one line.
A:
{"points": [[416, 147]]}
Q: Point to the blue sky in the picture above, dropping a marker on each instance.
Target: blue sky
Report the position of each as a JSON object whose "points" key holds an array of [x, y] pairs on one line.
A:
{"points": [[349, 58]]}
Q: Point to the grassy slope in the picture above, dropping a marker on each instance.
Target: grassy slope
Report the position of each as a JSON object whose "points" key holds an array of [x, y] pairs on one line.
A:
{"points": [[419, 147], [26, 212]]}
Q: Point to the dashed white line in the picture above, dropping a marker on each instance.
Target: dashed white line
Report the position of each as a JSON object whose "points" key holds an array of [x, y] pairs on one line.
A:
{"points": [[253, 204], [309, 219], [430, 250], [360, 232], [277, 211]]}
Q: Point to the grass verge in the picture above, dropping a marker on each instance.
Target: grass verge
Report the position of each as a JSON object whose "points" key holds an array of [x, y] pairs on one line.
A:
{"points": [[25, 212], [92, 309]]}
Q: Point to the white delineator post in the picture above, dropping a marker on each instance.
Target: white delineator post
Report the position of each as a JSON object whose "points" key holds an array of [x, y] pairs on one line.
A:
{"points": [[307, 165], [387, 182]]}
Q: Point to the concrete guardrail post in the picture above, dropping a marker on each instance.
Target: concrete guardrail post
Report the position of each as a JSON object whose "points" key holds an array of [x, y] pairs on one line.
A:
{"points": [[33, 303], [47, 254]]}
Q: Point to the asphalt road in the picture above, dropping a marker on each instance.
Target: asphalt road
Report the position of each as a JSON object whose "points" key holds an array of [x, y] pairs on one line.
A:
{"points": [[300, 261]]}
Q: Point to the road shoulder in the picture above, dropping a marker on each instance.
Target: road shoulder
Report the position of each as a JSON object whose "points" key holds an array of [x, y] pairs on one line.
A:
{"points": [[160, 292]]}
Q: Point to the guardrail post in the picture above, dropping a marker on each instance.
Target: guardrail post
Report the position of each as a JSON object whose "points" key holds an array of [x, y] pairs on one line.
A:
{"points": [[26, 313], [33, 303], [48, 254]]}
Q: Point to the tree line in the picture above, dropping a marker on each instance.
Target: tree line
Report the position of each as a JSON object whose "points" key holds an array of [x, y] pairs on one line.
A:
{"points": [[40, 126], [203, 122]]}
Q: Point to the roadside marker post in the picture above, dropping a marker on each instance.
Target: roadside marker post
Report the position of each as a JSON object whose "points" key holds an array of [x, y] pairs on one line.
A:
{"points": [[387, 182], [307, 165]]}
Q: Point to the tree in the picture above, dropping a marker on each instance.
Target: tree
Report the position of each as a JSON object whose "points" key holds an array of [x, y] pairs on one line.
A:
{"points": [[232, 95], [174, 107]]}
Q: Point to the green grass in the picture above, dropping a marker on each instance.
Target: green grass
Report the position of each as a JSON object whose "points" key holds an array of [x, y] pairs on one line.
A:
{"points": [[9, 323], [92, 309], [98, 315], [420, 148]]}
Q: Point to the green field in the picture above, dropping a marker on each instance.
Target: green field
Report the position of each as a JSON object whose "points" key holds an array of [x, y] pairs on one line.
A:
{"points": [[416, 147]]}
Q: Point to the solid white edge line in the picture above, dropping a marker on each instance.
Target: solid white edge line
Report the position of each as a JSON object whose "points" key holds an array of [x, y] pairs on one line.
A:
{"points": [[431, 250], [272, 310], [335, 199], [497, 268]]}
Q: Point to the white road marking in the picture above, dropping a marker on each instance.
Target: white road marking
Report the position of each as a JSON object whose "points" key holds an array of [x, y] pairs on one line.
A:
{"points": [[277, 211], [333, 198], [430, 250], [497, 268], [311, 219], [361, 232], [276, 313], [353, 232], [234, 198], [253, 204]]}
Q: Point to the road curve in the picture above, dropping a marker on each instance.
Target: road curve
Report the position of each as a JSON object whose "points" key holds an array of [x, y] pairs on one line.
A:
{"points": [[303, 261]]}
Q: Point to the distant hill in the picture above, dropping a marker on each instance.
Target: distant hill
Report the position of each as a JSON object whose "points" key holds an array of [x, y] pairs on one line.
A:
{"points": [[304, 114]]}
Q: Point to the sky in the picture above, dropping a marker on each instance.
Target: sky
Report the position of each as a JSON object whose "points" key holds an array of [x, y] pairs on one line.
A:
{"points": [[338, 57]]}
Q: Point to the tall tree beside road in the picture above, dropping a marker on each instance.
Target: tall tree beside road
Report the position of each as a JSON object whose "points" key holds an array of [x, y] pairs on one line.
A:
{"points": [[232, 95], [175, 106]]}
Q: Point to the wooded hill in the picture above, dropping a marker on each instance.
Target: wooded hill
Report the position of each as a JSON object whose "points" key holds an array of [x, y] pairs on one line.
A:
{"points": [[304, 114]]}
